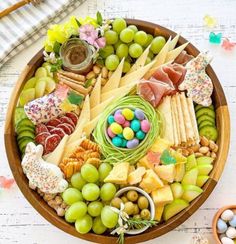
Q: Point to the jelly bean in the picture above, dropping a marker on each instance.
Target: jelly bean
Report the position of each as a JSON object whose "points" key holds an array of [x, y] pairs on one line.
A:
{"points": [[231, 232], [135, 125], [119, 118], [128, 133], [227, 215], [124, 143], [145, 125], [110, 133], [139, 114], [132, 143], [221, 226], [210, 21], [128, 113], [232, 222], [117, 141], [215, 38], [140, 135], [110, 119], [226, 240], [116, 128], [126, 124], [121, 136], [118, 111]]}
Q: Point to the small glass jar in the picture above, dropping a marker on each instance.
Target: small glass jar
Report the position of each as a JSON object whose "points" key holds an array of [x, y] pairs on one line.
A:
{"points": [[77, 56]]}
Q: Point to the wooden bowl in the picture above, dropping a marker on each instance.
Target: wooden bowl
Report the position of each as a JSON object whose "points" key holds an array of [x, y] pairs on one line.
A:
{"points": [[215, 219], [223, 125]]}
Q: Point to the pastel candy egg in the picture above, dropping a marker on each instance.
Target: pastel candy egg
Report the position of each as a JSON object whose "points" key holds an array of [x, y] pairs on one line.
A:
{"points": [[118, 111], [226, 240], [231, 232], [119, 118], [121, 136], [232, 222], [221, 226], [110, 133], [140, 135], [117, 141], [124, 143], [227, 215], [116, 128], [139, 114], [145, 125], [135, 125], [132, 143], [128, 113], [126, 124], [128, 133], [110, 119]]}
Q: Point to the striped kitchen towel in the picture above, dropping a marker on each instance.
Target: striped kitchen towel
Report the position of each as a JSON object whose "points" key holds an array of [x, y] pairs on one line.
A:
{"points": [[23, 27]]}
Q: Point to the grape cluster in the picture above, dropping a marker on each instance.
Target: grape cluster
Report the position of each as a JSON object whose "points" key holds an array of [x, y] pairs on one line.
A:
{"points": [[128, 42]]}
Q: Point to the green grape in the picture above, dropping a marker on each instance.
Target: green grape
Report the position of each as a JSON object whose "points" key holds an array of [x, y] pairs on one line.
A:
{"points": [[111, 37], [140, 37], [118, 25], [122, 51], [148, 60], [104, 170], [150, 55], [95, 208], [112, 62], [107, 192], [149, 40], [98, 227], [127, 35], [135, 50], [117, 44], [126, 67], [106, 51], [109, 217], [72, 195], [90, 192], [41, 72], [75, 211], [89, 173], [157, 44], [84, 224], [133, 28], [77, 181], [30, 83]]}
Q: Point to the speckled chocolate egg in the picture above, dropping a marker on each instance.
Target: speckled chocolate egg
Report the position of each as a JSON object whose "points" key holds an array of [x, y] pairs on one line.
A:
{"points": [[145, 125], [232, 222], [116, 128], [110, 133], [231, 232], [227, 215], [140, 135], [110, 119], [119, 118], [128, 114], [226, 240]]}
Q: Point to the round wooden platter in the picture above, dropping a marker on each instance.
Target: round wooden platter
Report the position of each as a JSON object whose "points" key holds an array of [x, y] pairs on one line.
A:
{"points": [[223, 125]]}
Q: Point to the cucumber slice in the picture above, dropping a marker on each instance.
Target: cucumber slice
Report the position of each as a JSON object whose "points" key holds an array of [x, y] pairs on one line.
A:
{"points": [[198, 107], [209, 132], [24, 143], [204, 123], [205, 117], [19, 114], [26, 134], [205, 111], [25, 128], [24, 138], [25, 122]]}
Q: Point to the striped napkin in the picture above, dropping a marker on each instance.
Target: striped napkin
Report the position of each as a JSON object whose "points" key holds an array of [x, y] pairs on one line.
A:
{"points": [[23, 27]]}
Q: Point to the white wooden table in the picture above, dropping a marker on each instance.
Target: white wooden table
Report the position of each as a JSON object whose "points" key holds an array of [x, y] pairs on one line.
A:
{"points": [[20, 223]]}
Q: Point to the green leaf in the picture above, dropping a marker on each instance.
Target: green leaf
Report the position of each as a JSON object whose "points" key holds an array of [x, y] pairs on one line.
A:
{"points": [[56, 47], [75, 98], [77, 21], [166, 158], [55, 67], [88, 83], [99, 18]]}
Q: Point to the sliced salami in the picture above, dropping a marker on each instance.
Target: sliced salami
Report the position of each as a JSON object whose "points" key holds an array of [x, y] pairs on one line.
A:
{"points": [[50, 128], [41, 138], [66, 128], [58, 131], [70, 126], [73, 117], [51, 143], [53, 122], [67, 120], [40, 128]]}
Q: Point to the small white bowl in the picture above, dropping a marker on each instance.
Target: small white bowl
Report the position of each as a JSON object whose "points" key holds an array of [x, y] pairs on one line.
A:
{"points": [[151, 206]]}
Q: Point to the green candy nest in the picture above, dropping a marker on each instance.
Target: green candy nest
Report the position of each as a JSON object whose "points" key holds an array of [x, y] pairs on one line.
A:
{"points": [[114, 154]]}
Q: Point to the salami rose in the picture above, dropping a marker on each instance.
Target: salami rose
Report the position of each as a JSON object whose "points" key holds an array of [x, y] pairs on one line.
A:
{"points": [[73, 117], [67, 120], [53, 122], [66, 128], [58, 131], [41, 138], [51, 143], [40, 128]]}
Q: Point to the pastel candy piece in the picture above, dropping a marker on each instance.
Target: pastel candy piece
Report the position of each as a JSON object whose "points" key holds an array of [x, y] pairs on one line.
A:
{"points": [[140, 135], [215, 38], [132, 143], [110, 133], [119, 118], [231, 232], [121, 136], [118, 111], [116, 128], [232, 222], [227, 215], [110, 119], [145, 125], [117, 141], [135, 125], [221, 226], [226, 240], [128, 113], [128, 133], [124, 143], [126, 124], [139, 114]]}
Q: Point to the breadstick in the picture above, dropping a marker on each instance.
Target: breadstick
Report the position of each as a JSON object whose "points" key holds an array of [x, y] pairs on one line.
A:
{"points": [[74, 86], [72, 75], [176, 138]]}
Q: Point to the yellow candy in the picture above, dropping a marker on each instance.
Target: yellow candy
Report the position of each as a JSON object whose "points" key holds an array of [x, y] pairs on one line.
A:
{"points": [[128, 113], [128, 133], [116, 128], [210, 21]]}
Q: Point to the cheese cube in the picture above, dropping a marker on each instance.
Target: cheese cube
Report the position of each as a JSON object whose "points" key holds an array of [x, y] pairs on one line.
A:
{"points": [[158, 212], [136, 176], [162, 196], [166, 172], [145, 163]]}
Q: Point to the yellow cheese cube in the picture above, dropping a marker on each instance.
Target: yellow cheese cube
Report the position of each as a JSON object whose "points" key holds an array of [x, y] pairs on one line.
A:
{"points": [[136, 175], [158, 212], [160, 145], [162, 196], [166, 172], [145, 163]]}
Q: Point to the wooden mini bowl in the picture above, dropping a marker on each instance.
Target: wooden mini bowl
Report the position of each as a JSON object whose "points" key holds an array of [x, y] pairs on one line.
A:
{"points": [[215, 219], [223, 125]]}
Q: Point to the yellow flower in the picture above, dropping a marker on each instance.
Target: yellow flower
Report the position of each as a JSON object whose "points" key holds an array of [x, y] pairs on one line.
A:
{"points": [[88, 20], [66, 106], [71, 27]]}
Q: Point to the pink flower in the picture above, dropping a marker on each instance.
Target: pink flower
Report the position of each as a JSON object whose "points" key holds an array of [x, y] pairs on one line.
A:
{"points": [[100, 42], [88, 33]]}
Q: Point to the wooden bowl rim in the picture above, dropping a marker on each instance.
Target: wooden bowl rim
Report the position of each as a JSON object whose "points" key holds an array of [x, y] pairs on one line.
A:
{"points": [[50, 215]]}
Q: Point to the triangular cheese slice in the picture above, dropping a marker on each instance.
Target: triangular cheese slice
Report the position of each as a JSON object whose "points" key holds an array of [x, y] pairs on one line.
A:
{"points": [[95, 97], [172, 55], [78, 132], [99, 108], [173, 42], [70, 147], [85, 112], [89, 127]]}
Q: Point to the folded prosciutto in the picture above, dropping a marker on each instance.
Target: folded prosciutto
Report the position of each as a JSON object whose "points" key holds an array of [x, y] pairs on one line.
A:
{"points": [[183, 58], [164, 81]]}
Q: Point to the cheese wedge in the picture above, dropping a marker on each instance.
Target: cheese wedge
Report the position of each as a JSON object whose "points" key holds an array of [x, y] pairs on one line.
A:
{"points": [[158, 212], [172, 55], [95, 97], [56, 156], [99, 108], [69, 148], [78, 132], [85, 112], [88, 128], [114, 80], [173, 42]]}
